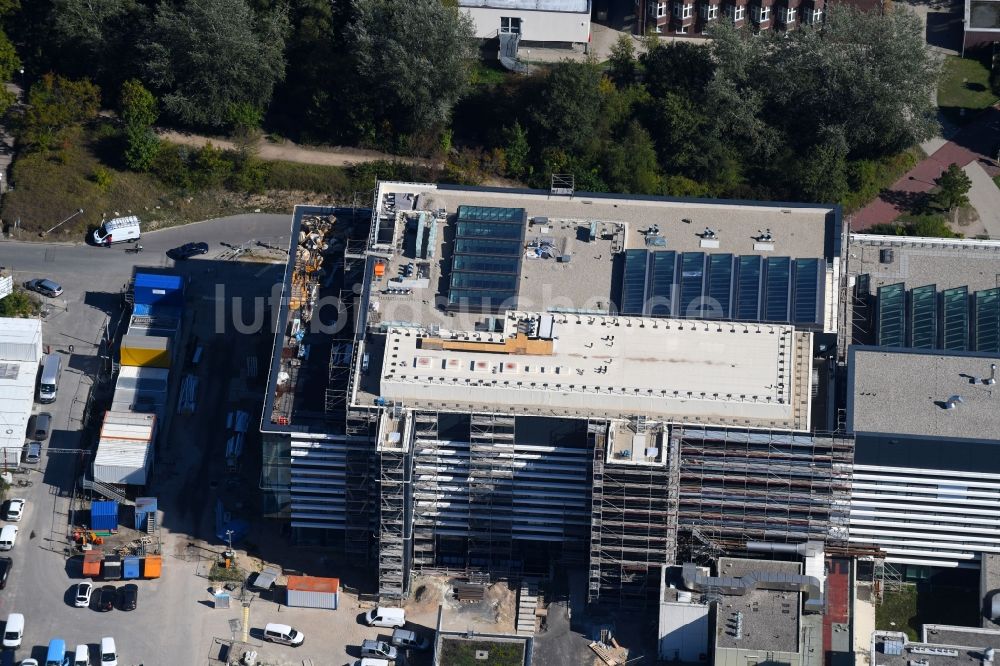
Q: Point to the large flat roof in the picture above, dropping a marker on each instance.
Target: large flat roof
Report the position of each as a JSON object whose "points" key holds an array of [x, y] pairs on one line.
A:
{"points": [[942, 645], [682, 370], [768, 619], [903, 391]]}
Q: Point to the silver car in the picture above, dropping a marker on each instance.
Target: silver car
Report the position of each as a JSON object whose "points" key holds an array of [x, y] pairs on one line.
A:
{"points": [[45, 287]]}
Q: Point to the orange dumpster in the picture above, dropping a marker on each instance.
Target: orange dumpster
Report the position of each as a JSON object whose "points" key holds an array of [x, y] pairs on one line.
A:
{"points": [[379, 269], [92, 563], [151, 566]]}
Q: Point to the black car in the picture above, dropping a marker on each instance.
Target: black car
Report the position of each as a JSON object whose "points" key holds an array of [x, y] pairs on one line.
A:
{"points": [[105, 598], [187, 251], [5, 566], [128, 597]]}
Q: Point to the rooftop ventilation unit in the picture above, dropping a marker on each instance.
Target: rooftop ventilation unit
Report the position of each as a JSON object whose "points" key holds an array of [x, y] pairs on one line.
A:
{"points": [[992, 379], [953, 402]]}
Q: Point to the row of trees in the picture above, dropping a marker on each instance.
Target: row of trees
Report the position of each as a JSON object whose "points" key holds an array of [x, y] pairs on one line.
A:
{"points": [[805, 115], [329, 70]]}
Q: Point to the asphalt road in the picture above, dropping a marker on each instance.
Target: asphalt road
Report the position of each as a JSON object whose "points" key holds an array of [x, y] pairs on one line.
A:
{"points": [[39, 586]]}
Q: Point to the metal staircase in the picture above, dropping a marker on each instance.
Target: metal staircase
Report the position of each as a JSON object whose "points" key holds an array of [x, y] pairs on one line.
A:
{"points": [[106, 491]]}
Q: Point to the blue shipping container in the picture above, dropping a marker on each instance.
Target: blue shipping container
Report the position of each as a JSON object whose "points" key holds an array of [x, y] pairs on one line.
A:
{"points": [[151, 289], [143, 507], [104, 515], [130, 568]]}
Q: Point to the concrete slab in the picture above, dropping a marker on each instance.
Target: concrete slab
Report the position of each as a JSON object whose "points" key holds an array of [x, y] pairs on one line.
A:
{"points": [[984, 197]]}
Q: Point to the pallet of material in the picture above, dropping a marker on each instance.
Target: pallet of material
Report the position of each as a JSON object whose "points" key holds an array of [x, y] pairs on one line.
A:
{"points": [[467, 592], [604, 652]]}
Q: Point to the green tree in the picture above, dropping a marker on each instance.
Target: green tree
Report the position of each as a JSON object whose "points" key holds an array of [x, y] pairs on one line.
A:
{"points": [[17, 304], [953, 188], [204, 56], [680, 67], [630, 165], [412, 60], [568, 107], [138, 110], [821, 176], [518, 150], [94, 38], [622, 61], [9, 63], [54, 104]]}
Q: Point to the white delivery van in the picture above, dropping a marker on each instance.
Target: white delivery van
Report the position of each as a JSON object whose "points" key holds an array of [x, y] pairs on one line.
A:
{"points": [[117, 230], [386, 617], [82, 656], [13, 630], [49, 383], [109, 653], [8, 535], [282, 633]]}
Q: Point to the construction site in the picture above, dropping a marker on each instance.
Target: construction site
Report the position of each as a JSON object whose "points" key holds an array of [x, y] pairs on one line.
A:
{"points": [[504, 392]]}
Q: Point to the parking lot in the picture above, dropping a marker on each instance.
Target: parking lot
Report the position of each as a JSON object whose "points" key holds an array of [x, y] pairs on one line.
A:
{"points": [[173, 623]]}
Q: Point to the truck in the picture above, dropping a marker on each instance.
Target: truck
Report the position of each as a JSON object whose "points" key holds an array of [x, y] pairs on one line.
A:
{"points": [[117, 230]]}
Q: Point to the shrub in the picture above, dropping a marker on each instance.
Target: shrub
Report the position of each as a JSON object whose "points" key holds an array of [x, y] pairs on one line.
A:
{"points": [[104, 179]]}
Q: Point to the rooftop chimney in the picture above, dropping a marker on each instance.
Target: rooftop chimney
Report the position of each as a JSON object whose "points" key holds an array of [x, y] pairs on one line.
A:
{"points": [[953, 402], [992, 379]]}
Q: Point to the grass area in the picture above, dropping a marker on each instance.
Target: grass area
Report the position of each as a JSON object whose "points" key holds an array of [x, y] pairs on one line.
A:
{"points": [[927, 225], [49, 187], [869, 177], [307, 177], [487, 73], [459, 652], [910, 607], [996, 181], [221, 574], [965, 84]]}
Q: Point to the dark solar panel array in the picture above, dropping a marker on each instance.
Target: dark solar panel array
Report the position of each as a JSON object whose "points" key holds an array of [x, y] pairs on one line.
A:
{"points": [[929, 319], [955, 324], [486, 262], [923, 317], [892, 315], [634, 282], [748, 281], [692, 284], [661, 302], [988, 320], [719, 290], [721, 286], [807, 306], [777, 289]]}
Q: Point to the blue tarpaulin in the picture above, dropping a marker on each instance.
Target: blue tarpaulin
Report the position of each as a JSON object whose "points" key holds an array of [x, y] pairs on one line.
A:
{"points": [[154, 289], [104, 515], [225, 522], [130, 568]]}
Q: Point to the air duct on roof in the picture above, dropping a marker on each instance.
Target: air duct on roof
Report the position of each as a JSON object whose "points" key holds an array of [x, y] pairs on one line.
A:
{"points": [[992, 379], [765, 580]]}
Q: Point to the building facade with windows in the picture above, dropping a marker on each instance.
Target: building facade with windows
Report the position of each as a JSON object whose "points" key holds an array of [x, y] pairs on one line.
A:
{"points": [[693, 17], [556, 22]]}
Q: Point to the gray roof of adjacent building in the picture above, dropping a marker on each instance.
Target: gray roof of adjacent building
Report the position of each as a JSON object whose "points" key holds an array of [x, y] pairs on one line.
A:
{"points": [[907, 392]]}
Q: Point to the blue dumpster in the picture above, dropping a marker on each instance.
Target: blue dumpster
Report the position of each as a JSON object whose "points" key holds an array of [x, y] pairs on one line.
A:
{"points": [[153, 289], [130, 568]]}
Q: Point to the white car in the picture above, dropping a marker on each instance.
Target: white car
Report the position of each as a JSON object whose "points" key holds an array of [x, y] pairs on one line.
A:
{"points": [[15, 509], [82, 597], [29, 662]]}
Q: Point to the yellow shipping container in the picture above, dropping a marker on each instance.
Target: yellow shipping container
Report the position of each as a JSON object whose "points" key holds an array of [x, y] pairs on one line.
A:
{"points": [[145, 351]]}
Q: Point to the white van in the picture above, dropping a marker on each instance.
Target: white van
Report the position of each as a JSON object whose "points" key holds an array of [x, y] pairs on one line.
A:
{"points": [[117, 230], [282, 633], [109, 653], [82, 656], [8, 535], [49, 384], [386, 617], [13, 630], [373, 661]]}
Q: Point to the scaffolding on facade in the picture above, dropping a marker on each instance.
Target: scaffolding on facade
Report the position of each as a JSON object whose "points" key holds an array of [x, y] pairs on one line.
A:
{"points": [[359, 481], [393, 542], [633, 524], [425, 425], [737, 486], [491, 493]]}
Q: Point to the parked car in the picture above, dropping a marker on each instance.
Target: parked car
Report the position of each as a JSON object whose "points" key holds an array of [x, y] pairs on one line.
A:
{"points": [[386, 617], [282, 633], [44, 286], [81, 597], [187, 251], [380, 649], [43, 426], [15, 509], [106, 598], [109, 652], [6, 564], [128, 597], [29, 662], [8, 537], [409, 640], [33, 453]]}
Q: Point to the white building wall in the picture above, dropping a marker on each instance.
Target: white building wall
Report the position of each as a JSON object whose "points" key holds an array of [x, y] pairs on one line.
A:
{"points": [[536, 26], [929, 517]]}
